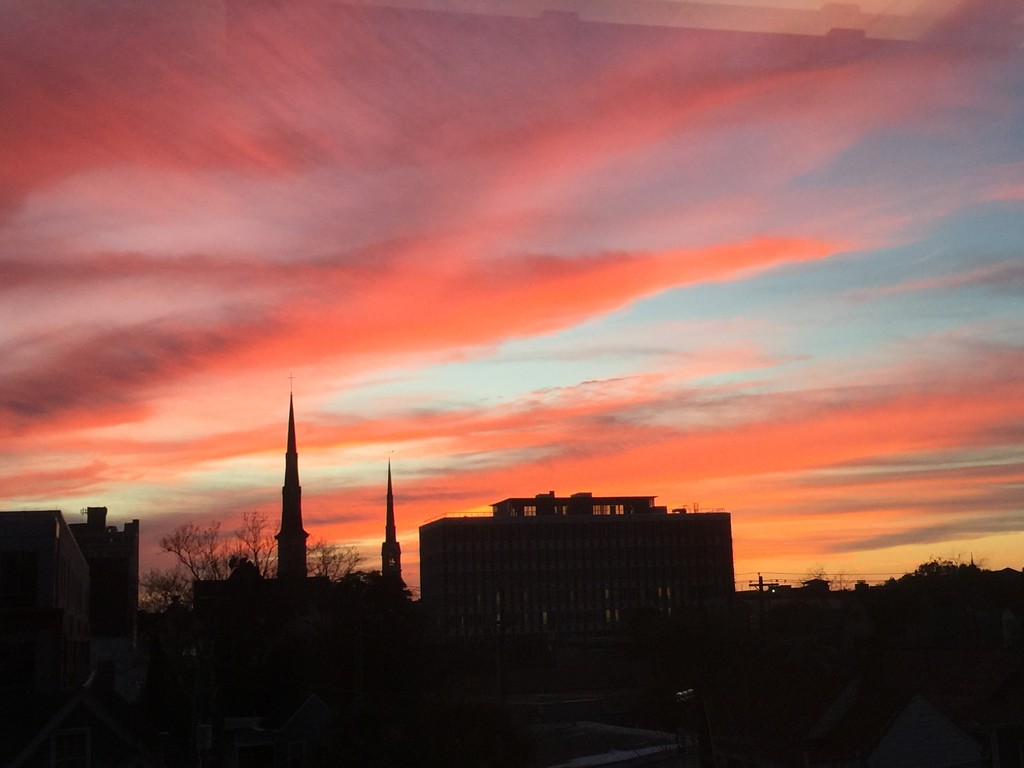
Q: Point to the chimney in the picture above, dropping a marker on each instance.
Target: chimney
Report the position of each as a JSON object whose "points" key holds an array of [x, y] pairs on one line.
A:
{"points": [[96, 517]]}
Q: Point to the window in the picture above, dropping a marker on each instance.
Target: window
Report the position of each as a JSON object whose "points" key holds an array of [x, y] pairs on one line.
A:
{"points": [[296, 754], [70, 748], [17, 665], [19, 579]]}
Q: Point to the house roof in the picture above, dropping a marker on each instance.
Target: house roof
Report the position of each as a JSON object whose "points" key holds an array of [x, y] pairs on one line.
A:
{"points": [[782, 704], [101, 707]]}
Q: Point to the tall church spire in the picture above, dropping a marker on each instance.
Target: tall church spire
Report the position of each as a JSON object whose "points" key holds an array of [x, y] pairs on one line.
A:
{"points": [[390, 550], [291, 540]]}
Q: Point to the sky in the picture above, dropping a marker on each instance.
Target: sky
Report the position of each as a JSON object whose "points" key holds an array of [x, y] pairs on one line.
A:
{"points": [[711, 253]]}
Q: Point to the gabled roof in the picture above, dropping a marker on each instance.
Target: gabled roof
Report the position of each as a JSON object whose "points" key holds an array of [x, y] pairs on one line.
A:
{"points": [[782, 704], [103, 710], [768, 702], [896, 729]]}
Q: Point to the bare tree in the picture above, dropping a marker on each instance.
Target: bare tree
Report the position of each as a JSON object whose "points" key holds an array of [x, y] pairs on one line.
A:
{"points": [[816, 572], [840, 581], [255, 540], [335, 561], [203, 555], [200, 550], [159, 590]]}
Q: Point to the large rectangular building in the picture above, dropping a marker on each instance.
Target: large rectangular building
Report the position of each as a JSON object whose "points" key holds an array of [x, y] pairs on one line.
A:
{"points": [[581, 567]]}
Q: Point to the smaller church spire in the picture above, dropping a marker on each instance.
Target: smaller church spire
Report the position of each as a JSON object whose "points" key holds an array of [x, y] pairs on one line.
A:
{"points": [[390, 550]]}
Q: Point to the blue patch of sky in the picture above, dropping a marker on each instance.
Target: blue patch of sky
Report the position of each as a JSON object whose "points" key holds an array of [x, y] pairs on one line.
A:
{"points": [[593, 350], [843, 306], [919, 160], [987, 231]]}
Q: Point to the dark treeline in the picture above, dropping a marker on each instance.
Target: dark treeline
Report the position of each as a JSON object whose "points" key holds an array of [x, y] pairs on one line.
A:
{"points": [[260, 648]]}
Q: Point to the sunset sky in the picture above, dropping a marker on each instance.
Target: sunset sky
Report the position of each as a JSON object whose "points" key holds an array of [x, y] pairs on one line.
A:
{"points": [[639, 248]]}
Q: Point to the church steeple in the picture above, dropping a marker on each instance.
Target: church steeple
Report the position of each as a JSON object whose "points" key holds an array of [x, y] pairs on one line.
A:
{"points": [[390, 550], [291, 540]]}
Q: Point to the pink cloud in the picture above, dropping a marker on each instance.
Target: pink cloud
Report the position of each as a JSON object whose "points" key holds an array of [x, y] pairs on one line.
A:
{"points": [[279, 91], [187, 199], [468, 303]]}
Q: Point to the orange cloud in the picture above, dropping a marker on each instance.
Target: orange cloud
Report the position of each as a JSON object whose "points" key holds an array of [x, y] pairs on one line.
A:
{"points": [[331, 310]]}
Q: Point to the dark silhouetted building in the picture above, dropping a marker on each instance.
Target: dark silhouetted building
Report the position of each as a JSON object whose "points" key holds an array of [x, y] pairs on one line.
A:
{"points": [[113, 558], [44, 605], [582, 566], [291, 539], [390, 550]]}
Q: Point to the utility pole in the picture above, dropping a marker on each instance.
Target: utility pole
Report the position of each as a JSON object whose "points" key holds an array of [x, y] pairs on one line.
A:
{"points": [[761, 585]]}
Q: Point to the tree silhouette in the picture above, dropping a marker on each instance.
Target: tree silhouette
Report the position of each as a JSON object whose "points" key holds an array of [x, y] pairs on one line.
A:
{"points": [[203, 554], [332, 561], [199, 550], [254, 539]]}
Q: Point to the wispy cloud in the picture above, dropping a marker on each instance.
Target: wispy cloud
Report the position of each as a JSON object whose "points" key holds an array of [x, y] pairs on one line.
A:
{"points": [[524, 250]]}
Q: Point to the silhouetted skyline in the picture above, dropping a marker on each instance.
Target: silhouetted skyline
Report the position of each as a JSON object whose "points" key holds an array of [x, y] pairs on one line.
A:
{"points": [[774, 273]]}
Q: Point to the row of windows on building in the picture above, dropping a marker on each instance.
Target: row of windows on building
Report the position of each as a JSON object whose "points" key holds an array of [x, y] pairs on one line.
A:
{"points": [[530, 510], [553, 551], [580, 561], [591, 587], [505, 536], [574, 596], [578, 623], [458, 586]]}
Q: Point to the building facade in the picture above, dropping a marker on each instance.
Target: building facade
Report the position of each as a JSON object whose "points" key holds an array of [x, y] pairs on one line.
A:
{"points": [[44, 605], [113, 558], [580, 567]]}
